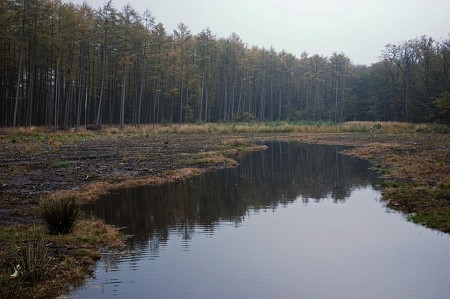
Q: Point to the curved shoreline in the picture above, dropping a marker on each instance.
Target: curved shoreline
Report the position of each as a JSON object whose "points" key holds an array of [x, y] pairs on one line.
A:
{"points": [[415, 168]]}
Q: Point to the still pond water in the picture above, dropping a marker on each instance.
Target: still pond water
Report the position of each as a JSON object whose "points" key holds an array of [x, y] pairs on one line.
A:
{"points": [[295, 221]]}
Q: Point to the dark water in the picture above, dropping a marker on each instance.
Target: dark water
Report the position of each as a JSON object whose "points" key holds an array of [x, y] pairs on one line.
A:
{"points": [[295, 221]]}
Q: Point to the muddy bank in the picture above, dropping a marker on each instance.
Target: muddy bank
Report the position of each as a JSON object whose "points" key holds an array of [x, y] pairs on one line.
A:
{"points": [[88, 163], [32, 166]]}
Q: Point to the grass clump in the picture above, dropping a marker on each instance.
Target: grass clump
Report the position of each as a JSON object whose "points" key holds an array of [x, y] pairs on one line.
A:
{"points": [[9, 288], [390, 184], [60, 214], [59, 164], [33, 261], [435, 219], [28, 263], [50, 264]]}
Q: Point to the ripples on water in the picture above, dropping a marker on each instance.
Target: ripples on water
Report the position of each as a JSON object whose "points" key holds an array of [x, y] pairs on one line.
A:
{"points": [[296, 221]]}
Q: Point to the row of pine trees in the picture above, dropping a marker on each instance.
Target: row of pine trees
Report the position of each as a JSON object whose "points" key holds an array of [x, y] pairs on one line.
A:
{"points": [[64, 65]]}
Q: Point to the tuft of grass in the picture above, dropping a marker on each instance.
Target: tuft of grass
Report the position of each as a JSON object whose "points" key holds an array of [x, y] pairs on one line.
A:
{"points": [[55, 262], [33, 260], [60, 214], [442, 194], [59, 164], [112, 131], [13, 139], [9, 288], [390, 184], [142, 158], [435, 219]]}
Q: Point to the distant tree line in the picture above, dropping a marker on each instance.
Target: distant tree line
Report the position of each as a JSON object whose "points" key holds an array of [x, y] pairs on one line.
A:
{"points": [[64, 65]]}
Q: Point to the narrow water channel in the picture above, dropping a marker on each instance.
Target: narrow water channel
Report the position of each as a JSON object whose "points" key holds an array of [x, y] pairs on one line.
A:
{"points": [[295, 221]]}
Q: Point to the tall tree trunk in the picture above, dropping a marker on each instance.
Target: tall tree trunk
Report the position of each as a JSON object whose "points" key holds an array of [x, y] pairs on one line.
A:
{"points": [[122, 103], [141, 92], [181, 101], [206, 104], [57, 91], [271, 98], [336, 99], [99, 109], [30, 91], [279, 105], [201, 97], [225, 101], [16, 102]]}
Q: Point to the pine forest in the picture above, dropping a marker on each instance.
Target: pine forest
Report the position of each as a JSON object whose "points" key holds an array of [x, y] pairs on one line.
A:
{"points": [[64, 65]]}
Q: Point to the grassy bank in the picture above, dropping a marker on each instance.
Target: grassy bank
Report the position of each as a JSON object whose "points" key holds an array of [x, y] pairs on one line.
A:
{"points": [[50, 263]]}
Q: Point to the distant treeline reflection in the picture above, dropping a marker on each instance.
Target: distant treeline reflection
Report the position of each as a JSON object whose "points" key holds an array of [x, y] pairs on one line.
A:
{"points": [[286, 172]]}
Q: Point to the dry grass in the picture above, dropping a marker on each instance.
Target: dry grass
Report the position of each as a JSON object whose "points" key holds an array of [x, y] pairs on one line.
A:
{"points": [[215, 159], [94, 190], [95, 232], [63, 260], [230, 128]]}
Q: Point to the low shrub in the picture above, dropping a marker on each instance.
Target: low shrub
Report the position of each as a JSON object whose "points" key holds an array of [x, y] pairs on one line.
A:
{"points": [[60, 214]]}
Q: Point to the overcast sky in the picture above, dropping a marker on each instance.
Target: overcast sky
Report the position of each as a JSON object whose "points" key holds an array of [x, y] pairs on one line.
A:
{"points": [[358, 28]]}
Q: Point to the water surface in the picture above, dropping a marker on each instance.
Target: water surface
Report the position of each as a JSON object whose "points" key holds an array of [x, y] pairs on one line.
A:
{"points": [[295, 221]]}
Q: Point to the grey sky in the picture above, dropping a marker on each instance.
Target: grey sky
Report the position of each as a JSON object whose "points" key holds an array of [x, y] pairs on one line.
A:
{"points": [[358, 28]]}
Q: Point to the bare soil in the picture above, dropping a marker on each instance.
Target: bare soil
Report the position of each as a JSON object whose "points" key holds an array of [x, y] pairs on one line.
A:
{"points": [[32, 168]]}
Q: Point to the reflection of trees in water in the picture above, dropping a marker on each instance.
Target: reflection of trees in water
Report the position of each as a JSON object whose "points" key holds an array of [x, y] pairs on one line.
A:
{"points": [[309, 171], [282, 174]]}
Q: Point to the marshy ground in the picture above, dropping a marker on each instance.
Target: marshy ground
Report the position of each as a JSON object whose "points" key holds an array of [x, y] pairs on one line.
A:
{"points": [[414, 161]]}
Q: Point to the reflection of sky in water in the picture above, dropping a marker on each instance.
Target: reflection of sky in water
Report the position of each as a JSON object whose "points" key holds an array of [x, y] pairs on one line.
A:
{"points": [[208, 244]]}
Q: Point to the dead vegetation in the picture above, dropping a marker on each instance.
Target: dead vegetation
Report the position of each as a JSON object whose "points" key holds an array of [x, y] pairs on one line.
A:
{"points": [[47, 265]]}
